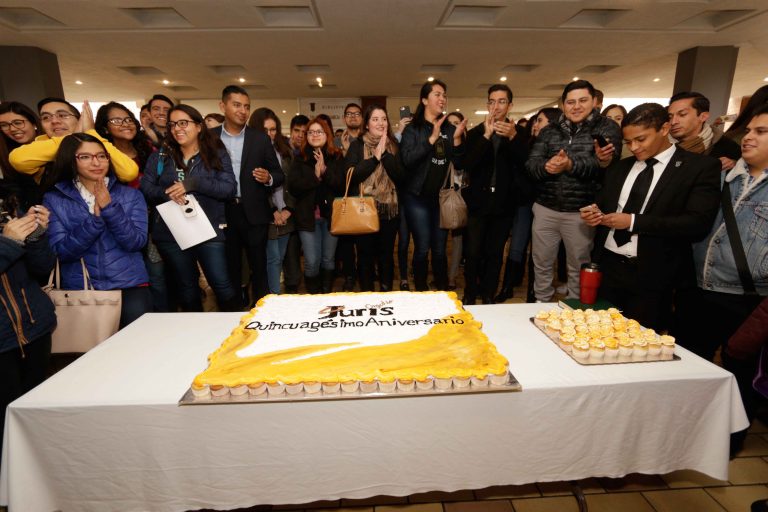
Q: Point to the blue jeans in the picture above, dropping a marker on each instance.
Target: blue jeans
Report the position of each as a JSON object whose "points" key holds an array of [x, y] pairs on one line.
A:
{"points": [[275, 254], [521, 233], [423, 216], [212, 257], [318, 244]]}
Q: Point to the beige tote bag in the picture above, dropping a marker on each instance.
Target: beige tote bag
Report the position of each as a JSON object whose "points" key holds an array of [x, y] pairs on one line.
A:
{"points": [[84, 317]]}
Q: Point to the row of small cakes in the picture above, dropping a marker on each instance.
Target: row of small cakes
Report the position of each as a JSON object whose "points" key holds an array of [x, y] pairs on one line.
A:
{"points": [[611, 348], [353, 386]]}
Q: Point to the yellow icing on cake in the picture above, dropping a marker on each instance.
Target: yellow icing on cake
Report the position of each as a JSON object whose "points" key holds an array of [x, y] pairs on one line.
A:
{"points": [[447, 350]]}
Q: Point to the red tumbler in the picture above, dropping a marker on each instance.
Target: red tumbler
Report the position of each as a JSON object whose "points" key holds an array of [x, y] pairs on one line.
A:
{"points": [[589, 282]]}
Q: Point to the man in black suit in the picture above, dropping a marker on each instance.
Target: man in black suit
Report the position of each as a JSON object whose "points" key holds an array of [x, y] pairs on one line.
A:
{"points": [[494, 162], [257, 170], [663, 199]]}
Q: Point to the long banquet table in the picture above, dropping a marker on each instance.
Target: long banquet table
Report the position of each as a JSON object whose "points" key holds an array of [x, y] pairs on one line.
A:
{"points": [[106, 433]]}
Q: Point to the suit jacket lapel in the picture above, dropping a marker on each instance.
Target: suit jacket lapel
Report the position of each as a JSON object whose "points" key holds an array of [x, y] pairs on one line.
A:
{"points": [[671, 171], [622, 171]]}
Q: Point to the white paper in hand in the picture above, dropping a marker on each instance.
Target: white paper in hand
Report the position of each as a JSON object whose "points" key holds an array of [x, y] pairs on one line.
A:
{"points": [[188, 231]]}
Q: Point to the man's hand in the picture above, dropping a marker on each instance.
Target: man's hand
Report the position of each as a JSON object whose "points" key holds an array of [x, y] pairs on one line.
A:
{"points": [[604, 154], [558, 163], [505, 129], [617, 220], [726, 163], [261, 175], [85, 122], [591, 215]]}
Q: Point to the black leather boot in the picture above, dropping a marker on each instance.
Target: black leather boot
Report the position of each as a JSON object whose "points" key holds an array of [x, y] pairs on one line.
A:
{"points": [[506, 284], [312, 284], [327, 280]]}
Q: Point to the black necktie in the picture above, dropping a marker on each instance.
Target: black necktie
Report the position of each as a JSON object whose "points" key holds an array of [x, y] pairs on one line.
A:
{"points": [[636, 199]]}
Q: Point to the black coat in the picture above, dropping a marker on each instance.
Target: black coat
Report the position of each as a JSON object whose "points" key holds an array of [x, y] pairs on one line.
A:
{"points": [[571, 190], [479, 164], [257, 152], [680, 211], [310, 191], [21, 271], [363, 167]]}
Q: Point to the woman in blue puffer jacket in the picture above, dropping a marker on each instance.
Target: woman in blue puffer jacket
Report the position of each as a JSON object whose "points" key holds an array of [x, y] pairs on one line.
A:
{"points": [[101, 221]]}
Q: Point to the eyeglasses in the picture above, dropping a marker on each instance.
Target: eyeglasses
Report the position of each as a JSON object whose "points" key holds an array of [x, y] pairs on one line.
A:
{"points": [[353, 114], [119, 121], [500, 103], [16, 123], [181, 124], [61, 116], [315, 132], [89, 157]]}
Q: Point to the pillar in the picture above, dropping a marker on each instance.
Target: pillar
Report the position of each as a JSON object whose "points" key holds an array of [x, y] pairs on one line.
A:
{"points": [[29, 75], [708, 70]]}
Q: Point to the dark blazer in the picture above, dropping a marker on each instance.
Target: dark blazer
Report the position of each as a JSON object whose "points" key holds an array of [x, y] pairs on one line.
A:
{"points": [[681, 210], [257, 152], [479, 163]]}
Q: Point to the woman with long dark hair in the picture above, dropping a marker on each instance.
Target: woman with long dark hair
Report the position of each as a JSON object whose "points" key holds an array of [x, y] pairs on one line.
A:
{"points": [[100, 222], [119, 126], [193, 161], [314, 179], [377, 168], [19, 125], [266, 121], [429, 144]]}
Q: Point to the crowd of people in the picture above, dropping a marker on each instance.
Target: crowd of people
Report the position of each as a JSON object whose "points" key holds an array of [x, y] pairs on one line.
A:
{"points": [[84, 190]]}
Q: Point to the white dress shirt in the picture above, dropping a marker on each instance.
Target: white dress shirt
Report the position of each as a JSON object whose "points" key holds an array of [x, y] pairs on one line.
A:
{"points": [[630, 249]]}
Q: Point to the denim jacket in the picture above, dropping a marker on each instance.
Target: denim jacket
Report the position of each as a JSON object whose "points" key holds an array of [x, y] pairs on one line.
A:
{"points": [[715, 264]]}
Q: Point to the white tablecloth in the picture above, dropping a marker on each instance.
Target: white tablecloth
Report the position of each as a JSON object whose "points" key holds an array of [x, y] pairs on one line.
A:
{"points": [[106, 433]]}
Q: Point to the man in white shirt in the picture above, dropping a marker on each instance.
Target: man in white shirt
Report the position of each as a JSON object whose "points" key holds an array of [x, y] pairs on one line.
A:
{"points": [[650, 209]]}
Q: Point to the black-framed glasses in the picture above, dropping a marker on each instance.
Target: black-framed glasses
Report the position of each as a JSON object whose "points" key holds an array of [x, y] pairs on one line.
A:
{"points": [[183, 123], [61, 116], [353, 114], [16, 123], [119, 121], [315, 132], [89, 157]]}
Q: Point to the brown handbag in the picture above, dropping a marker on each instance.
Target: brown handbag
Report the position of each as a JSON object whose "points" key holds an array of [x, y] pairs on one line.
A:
{"points": [[354, 215], [453, 209]]}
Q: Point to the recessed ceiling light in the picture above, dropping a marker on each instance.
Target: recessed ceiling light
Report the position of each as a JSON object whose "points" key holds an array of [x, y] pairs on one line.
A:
{"points": [[503, 79], [319, 79], [554, 106], [283, 111], [78, 82], [575, 78], [297, 113], [481, 112], [656, 79], [430, 79], [458, 110], [241, 80], [765, 79], [166, 82]]}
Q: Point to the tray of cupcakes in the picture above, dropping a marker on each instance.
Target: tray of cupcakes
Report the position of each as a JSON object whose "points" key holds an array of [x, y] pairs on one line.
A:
{"points": [[604, 337]]}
